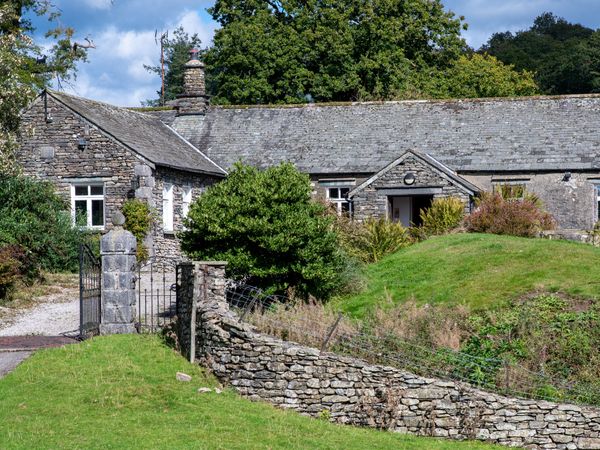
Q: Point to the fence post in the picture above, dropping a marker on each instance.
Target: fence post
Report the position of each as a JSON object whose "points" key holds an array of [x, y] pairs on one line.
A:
{"points": [[330, 333], [118, 251]]}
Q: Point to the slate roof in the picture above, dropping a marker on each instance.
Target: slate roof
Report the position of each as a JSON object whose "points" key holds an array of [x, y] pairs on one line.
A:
{"points": [[143, 134], [525, 134]]}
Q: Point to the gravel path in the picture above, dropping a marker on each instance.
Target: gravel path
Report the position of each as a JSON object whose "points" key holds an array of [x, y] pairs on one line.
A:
{"points": [[51, 315], [10, 360]]}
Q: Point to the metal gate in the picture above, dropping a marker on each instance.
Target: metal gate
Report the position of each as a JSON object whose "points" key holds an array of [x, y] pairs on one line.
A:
{"points": [[90, 275], [156, 286]]}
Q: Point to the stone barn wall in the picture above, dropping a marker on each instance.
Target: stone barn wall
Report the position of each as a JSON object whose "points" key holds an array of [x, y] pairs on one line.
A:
{"points": [[354, 392]]}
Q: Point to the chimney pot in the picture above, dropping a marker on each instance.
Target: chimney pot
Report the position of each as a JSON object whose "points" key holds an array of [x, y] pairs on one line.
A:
{"points": [[193, 100]]}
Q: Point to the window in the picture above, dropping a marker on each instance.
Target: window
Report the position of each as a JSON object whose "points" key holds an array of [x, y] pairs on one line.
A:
{"points": [[186, 200], [510, 191], [338, 196], [87, 205], [167, 207]]}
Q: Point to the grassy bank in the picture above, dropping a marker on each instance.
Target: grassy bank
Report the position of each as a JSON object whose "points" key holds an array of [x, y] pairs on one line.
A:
{"points": [[478, 270], [120, 392]]}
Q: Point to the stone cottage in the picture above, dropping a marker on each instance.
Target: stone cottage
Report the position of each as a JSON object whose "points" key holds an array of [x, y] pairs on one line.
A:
{"points": [[390, 159], [100, 155], [377, 159]]}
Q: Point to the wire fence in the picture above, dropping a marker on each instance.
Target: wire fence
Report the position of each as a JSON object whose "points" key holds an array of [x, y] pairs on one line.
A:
{"points": [[317, 327]]}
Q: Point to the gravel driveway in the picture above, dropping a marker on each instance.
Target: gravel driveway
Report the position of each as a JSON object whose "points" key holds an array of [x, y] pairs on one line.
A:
{"points": [[50, 315]]}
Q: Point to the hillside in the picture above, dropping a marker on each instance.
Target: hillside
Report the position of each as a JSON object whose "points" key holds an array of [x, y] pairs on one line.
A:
{"points": [[120, 392], [478, 270]]}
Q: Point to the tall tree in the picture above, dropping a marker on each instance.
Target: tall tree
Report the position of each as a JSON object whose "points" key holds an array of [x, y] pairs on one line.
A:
{"points": [[273, 51], [557, 51], [476, 76], [176, 54], [23, 68]]}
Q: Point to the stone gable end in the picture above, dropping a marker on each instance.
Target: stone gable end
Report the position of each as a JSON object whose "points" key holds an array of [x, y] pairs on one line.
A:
{"points": [[425, 175], [372, 200], [49, 150]]}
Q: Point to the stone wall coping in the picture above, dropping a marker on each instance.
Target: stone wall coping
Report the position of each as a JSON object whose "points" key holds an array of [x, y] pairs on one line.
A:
{"points": [[210, 263]]}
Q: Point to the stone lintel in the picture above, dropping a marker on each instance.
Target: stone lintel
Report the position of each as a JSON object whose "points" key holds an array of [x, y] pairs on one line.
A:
{"points": [[209, 263], [410, 191]]}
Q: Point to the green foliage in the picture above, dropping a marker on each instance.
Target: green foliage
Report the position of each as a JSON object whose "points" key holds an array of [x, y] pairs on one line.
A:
{"points": [[444, 215], [294, 51], [22, 73], [550, 334], [34, 217], [11, 264], [498, 215], [477, 76], [564, 56], [177, 54], [138, 220], [269, 230], [372, 240]]}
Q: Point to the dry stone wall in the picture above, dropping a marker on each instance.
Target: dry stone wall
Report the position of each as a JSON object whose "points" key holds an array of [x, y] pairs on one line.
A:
{"points": [[354, 392]]}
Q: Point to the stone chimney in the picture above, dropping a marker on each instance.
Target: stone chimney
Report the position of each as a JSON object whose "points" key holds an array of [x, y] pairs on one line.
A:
{"points": [[194, 99]]}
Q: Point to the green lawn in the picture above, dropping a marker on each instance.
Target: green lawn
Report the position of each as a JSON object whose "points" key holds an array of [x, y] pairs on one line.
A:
{"points": [[479, 270], [120, 392]]}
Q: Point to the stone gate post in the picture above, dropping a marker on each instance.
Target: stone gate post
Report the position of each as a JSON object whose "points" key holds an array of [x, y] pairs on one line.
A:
{"points": [[118, 251]]}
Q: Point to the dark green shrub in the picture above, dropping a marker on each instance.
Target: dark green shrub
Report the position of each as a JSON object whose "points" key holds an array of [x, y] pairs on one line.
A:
{"points": [[11, 265], [444, 215], [138, 220], [497, 215], [269, 230], [33, 216]]}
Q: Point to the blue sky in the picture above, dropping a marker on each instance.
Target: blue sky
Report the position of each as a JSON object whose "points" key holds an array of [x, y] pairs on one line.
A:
{"points": [[123, 32]]}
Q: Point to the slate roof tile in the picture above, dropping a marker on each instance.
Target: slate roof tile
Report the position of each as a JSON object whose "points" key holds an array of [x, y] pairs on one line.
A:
{"points": [[528, 134], [144, 134]]}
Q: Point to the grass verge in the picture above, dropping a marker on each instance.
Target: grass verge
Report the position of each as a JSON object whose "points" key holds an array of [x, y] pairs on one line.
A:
{"points": [[478, 270], [120, 392]]}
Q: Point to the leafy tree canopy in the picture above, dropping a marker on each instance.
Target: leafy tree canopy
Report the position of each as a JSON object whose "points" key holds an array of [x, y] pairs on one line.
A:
{"points": [[23, 68], [176, 54], [564, 56], [477, 76], [284, 51], [269, 230]]}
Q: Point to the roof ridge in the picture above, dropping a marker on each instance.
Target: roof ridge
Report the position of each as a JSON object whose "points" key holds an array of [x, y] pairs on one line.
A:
{"points": [[412, 101], [99, 102]]}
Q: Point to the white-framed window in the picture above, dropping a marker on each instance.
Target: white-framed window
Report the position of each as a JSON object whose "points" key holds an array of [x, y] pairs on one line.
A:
{"points": [[339, 197], [87, 205], [186, 200], [167, 209], [510, 190]]}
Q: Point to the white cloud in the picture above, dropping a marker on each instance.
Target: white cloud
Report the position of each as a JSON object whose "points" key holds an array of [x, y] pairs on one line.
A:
{"points": [[87, 85], [193, 23], [99, 4], [115, 72]]}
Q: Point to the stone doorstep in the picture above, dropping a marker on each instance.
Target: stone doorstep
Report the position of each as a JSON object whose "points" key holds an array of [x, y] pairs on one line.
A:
{"points": [[29, 343]]}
